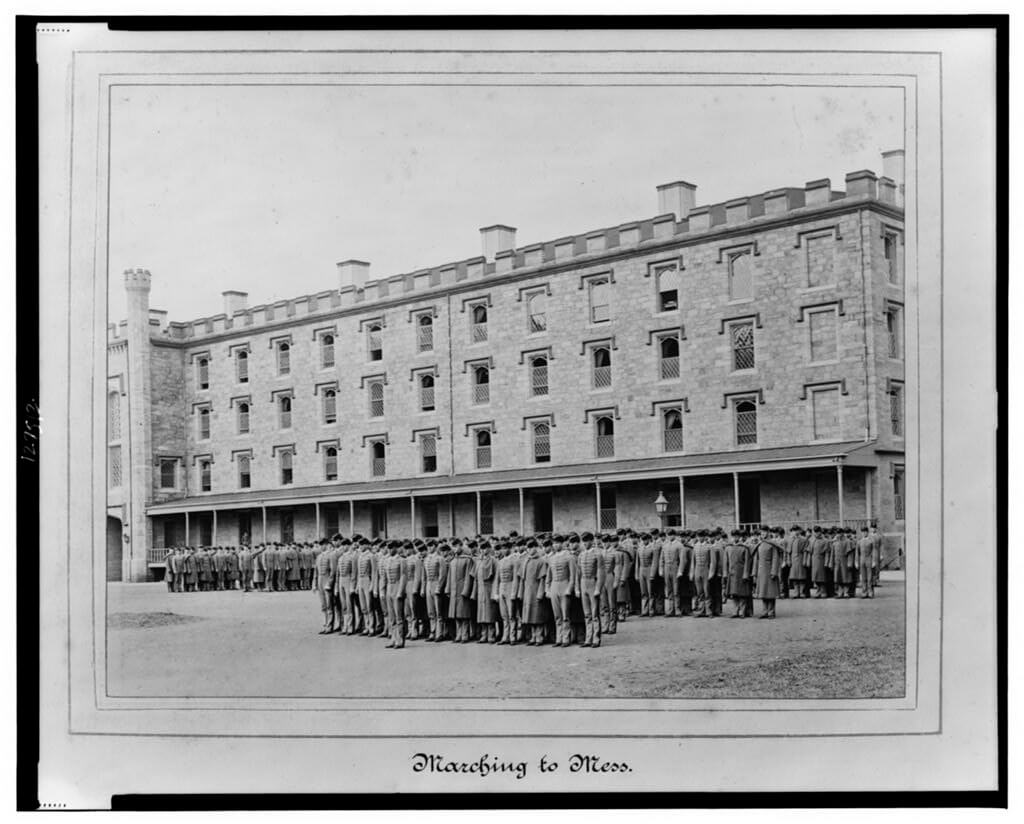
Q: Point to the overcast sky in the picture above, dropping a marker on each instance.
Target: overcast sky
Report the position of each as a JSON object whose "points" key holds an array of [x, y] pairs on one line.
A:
{"points": [[264, 189]]}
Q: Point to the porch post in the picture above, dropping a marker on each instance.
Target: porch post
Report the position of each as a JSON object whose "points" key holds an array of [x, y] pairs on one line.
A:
{"points": [[839, 484], [351, 517], [264, 509], [451, 516], [316, 506], [597, 504], [478, 512], [412, 515], [188, 536], [736, 497], [522, 514], [868, 479], [682, 502], [214, 527]]}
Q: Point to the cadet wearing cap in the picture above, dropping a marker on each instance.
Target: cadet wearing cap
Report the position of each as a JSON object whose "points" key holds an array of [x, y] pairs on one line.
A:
{"points": [[670, 548], [702, 567], [609, 593], [645, 572], [459, 586], [737, 575], [559, 587], [590, 584]]}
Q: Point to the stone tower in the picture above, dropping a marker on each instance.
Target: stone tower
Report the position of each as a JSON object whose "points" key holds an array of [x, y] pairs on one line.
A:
{"points": [[137, 284]]}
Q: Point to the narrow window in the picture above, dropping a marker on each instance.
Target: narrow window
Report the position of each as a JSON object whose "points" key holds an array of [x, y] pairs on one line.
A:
{"points": [[668, 365], [486, 515], [538, 376], [203, 369], [205, 472], [204, 424], [672, 430], [541, 443], [284, 406], [286, 467], [536, 313], [483, 449], [376, 399], [426, 393], [478, 332], [898, 493], [825, 412], [114, 467], [894, 332], [168, 473], [330, 406], [481, 384], [425, 333], [742, 345], [746, 422], [287, 522], [668, 288], [374, 341], [243, 418], [326, 351], [605, 429], [428, 452], [244, 472], [890, 245], [330, 464], [896, 409], [242, 366], [741, 276], [609, 515], [284, 358], [114, 416], [428, 519], [378, 457], [602, 367], [599, 293]]}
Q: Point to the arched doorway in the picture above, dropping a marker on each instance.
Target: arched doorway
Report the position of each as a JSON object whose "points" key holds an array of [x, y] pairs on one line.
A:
{"points": [[115, 549]]}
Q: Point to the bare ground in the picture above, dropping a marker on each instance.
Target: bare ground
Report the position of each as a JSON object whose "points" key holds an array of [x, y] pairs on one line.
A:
{"points": [[260, 644]]}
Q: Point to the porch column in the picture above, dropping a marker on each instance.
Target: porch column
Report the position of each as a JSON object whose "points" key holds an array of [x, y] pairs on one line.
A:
{"points": [[412, 516], [451, 516], [522, 514], [214, 527], [264, 509], [316, 507], [478, 512], [597, 505], [736, 497], [839, 484], [351, 518], [188, 537], [682, 502], [868, 479]]}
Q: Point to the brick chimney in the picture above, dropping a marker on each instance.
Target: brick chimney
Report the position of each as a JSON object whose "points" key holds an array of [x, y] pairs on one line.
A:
{"points": [[678, 198], [497, 238]]}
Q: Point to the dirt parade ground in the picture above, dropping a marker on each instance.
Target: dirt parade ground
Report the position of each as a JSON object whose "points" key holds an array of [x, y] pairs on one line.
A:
{"points": [[266, 644]]}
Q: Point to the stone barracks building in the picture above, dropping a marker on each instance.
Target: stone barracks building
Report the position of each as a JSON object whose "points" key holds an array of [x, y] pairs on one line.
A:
{"points": [[745, 360]]}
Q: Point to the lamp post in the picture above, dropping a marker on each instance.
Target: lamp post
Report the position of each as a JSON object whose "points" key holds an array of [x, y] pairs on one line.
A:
{"points": [[661, 506]]}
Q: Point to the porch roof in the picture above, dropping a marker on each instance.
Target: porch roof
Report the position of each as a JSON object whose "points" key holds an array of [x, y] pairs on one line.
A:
{"points": [[807, 456]]}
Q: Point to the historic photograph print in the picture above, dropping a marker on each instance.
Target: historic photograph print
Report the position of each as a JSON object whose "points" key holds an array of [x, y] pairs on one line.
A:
{"points": [[503, 389]]}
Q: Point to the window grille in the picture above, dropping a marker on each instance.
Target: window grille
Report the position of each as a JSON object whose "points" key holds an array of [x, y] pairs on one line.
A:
{"points": [[428, 448], [327, 351], [896, 410], [113, 416], [479, 324], [284, 359], [536, 310], [330, 406], [285, 411], [599, 300], [541, 443], [672, 430], [168, 474], [898, 494], [481, 385], [286, 467], [330, 464], [425, 333], [602, 368], [378, 461], [205, 481], [374, 342], [243, 419], [669, 364], [891, 246], [539, 376], [115, 466], [242, 366], [483, 449], [427, 393], [376, 399], [746, 422], [742, 345], [605, 438], [609, 517], [486, 515], [244, 472], [204, 424]]}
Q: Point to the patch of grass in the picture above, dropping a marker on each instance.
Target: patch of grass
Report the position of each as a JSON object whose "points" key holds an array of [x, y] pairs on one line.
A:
{"points": [[148, 620]]}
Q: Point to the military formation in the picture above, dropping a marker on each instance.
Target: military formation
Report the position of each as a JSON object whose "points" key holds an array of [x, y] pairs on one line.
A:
{"points": [[562, 589]]}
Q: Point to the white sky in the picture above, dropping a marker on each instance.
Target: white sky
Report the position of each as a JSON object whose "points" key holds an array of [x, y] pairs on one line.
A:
{"points": [[264, 189]]}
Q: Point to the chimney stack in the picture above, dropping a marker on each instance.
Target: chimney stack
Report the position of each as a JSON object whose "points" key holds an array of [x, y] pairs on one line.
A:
{"points": [[353, 273], [497, 238], [235, 302], [893, 167], [678, 198]]}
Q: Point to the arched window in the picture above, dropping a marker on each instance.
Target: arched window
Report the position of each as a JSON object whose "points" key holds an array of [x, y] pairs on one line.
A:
{"points": [[426, 393], [425, 333], [376, 399], [243, 418], [286, 467], [746, 422], [481, 384], [602, 360], [284, 358], [669, 361], [330, 406], [483, 449], [668, 288], [672, 430], [242, 366], [605, 427], [741, 276], [479, 323], [244, 472], [378, 454], [428, 452], [326, 351], [599, 293], [285, 411], [538, 376], [536, 312], [204, 424], [541, 443], [374, 342], [330, 464], [205, 476], [203, 370]]}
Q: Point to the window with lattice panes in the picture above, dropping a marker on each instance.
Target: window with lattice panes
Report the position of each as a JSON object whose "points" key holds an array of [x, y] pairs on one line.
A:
{"points": [[427, 393], [891, 255], [168, 473], [375, 390], [244, 472], [205, 476], [741, 275], [896, 409], [326, 351], [541, 442], [668, 357], [478, 323], [745, 418], [482, 447], [375, 341], [114, 416], [481, 384], [424, 333], [601, 367], [604, 433], [742, 339], [428, 452], [672, 429], [242, 366], [284, 411], [284, 358], [330, 406], [114, 466], [203, 373], [242, 411], [825, 413], [894, 331], [378, 459], [599, 298], [285, 460], [204, 424], [331, 463], [538, 375], [609, 514], [536, 313], [823, 329], [668, 283]]}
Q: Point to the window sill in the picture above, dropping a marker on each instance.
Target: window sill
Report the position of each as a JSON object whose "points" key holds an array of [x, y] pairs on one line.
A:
{"points": [[426, 412], [744, 372], [835, 362], [803, 290], [739, 301]]}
